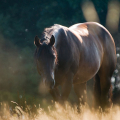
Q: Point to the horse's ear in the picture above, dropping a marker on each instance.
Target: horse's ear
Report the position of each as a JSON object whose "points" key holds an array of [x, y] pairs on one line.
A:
{"points": [[37, 41], [52, 40]]}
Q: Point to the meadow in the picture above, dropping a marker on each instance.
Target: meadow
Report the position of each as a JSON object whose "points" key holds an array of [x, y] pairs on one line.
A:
{"points": [[57, 112]]}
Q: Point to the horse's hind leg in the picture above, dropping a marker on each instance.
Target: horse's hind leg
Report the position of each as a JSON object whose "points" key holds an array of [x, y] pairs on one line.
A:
{"points": [[102, 90], [97, 91], [105, 82], [105, 74], [80, 90]]}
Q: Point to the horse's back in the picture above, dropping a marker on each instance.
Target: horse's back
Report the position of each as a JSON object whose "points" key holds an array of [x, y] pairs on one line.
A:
{"points": [[95, 32]]}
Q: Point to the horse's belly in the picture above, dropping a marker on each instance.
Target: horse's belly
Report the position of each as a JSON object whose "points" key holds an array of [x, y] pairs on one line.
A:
{"points": [[85, 73]]}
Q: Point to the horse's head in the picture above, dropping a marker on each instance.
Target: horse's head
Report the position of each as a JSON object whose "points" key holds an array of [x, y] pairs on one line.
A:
{"points": [[46, 56]]}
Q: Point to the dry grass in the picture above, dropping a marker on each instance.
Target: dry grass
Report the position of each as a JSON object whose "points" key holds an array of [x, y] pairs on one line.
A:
{"points": [[56, 112]]}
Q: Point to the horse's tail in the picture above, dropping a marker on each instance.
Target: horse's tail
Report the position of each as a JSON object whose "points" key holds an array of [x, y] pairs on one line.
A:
{"points": [[97, 91]]}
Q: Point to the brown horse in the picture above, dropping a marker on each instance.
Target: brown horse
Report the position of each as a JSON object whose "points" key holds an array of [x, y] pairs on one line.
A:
{"points": [[72, 56]]}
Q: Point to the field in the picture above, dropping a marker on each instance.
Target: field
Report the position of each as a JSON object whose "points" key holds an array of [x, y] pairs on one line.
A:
{"points": [[56, 112]]}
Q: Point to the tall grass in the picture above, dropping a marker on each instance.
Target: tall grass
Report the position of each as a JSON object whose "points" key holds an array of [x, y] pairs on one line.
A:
{"points": [[57, 112]]}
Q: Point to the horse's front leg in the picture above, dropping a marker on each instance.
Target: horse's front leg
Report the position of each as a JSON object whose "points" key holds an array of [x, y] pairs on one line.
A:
{"points": [[66, 87], [55, 94]]}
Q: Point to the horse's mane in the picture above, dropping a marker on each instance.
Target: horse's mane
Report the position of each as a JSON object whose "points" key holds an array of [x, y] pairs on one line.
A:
{"points": [[48, 32]]}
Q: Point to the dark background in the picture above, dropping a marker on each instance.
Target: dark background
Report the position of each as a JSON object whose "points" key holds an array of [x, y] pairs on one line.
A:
{"points": [[21, 20]]}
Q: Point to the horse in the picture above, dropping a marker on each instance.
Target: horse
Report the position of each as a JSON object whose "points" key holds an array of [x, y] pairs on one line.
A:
{"points": [[70, 56]]}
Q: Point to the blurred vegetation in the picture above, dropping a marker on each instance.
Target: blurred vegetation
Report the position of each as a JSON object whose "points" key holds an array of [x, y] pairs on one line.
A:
{"points": [[20, 21]]}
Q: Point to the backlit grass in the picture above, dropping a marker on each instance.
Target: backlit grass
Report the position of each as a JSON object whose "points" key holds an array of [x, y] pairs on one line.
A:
{"points": [[57, 112]]}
